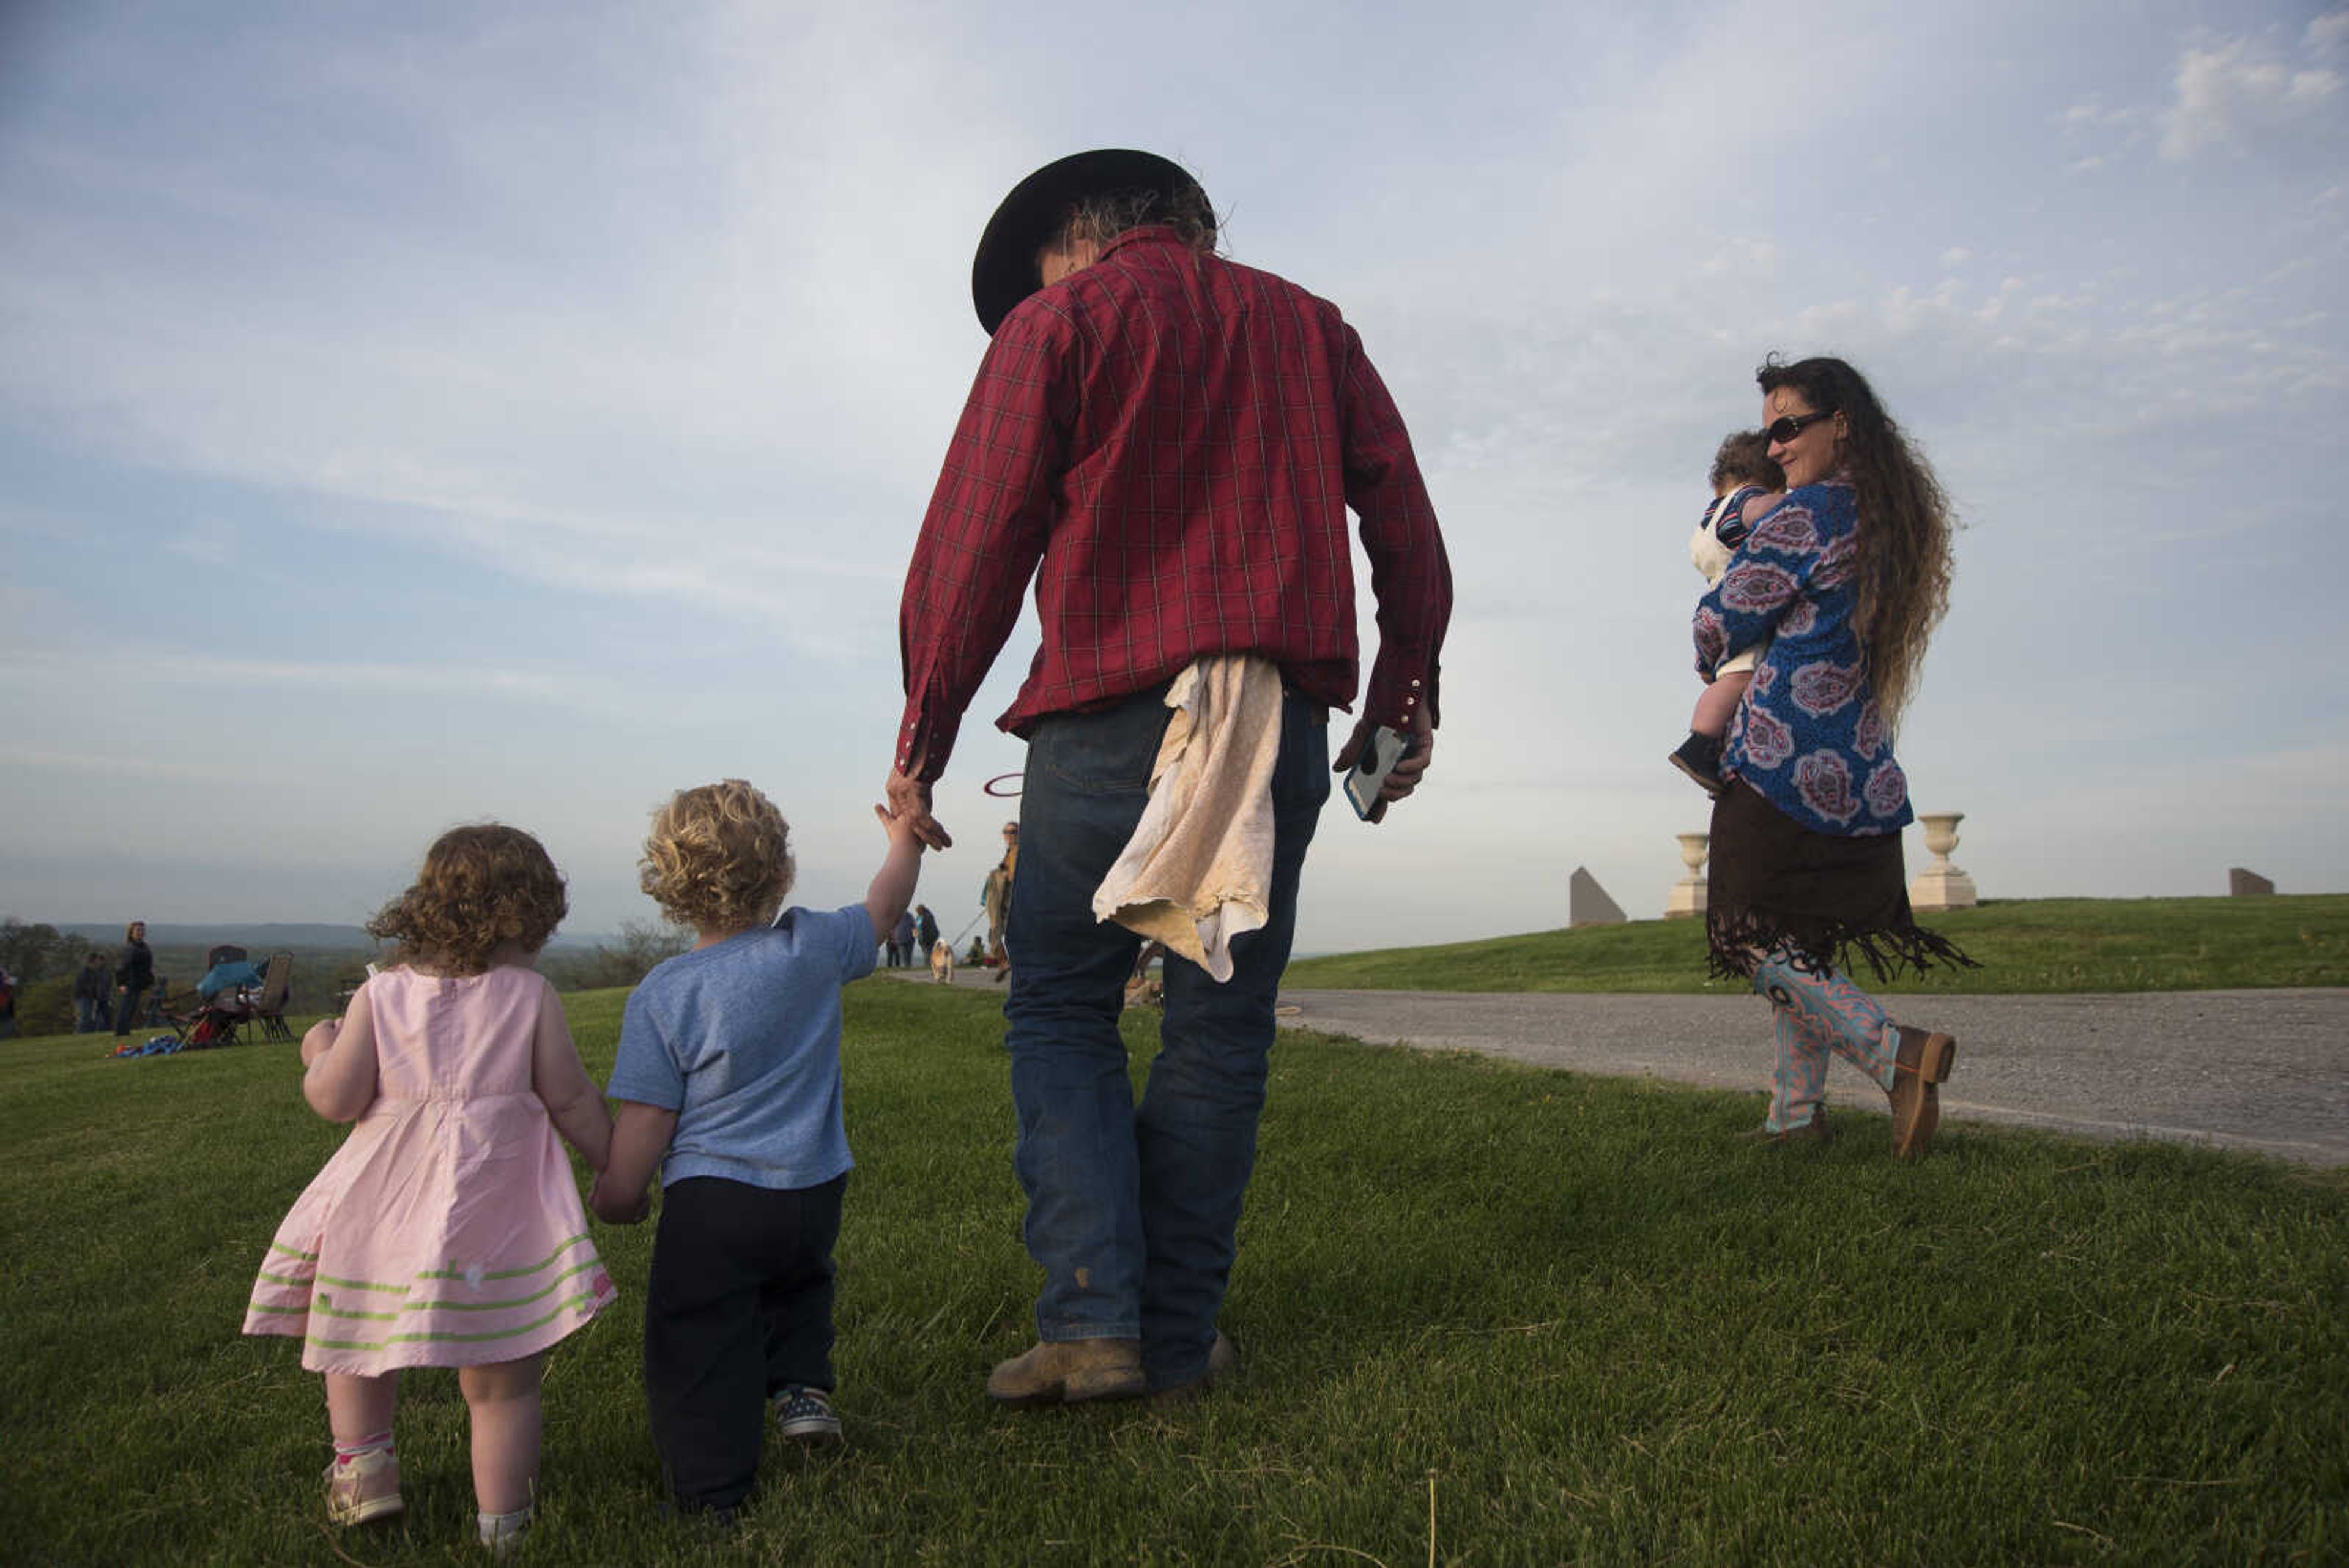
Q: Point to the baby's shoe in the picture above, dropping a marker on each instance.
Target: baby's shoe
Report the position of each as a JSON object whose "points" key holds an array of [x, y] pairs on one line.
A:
{"points": [[501, 1532], [1700, 757], [807, 1414], [363, 1487]]}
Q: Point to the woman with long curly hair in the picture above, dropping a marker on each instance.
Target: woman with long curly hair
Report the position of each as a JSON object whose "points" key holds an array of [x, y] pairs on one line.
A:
{"points": [[1845, 579]]}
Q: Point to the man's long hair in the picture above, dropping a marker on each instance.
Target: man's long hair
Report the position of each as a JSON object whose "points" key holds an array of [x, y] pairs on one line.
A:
{"points": [[1102, 218]]}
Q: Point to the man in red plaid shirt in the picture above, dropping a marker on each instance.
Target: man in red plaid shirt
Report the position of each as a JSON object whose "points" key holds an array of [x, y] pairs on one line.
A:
{"points": [[1167, 443]]}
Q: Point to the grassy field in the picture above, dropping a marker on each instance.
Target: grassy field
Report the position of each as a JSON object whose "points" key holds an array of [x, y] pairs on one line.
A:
{"points": [[2023, 945], [1489, 1315]]}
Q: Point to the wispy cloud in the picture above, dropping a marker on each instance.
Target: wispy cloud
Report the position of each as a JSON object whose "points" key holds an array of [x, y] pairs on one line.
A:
{"points": [[115, 765], [2229, 91]]}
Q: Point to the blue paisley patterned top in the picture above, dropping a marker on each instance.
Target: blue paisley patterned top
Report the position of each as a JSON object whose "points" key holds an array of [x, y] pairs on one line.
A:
{"points": [[1808, 735]]}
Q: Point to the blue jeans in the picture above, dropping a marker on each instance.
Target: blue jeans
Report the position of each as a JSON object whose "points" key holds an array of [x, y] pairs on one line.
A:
{"points": [[1132, 1211], [88, 1014], [127, 1013]]}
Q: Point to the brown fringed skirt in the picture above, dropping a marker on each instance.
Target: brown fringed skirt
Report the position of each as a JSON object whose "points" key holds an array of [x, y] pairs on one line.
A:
{"points": [[1774, 882]]}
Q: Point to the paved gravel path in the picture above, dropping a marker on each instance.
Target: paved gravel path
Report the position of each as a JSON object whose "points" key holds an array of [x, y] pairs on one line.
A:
{"points": [[2263, 1069]]}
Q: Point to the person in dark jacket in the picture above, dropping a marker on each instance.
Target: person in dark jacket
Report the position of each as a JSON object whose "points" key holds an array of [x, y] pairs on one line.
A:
{"points": [[134, 971], [90, 989]]}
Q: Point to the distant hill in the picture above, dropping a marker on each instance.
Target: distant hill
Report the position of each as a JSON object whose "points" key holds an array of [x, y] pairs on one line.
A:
{"points": [[259, 937], [268, 937]]}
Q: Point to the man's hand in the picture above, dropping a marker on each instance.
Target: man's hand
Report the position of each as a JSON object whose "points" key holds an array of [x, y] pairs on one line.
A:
{"points": [[909, 799], [1404, 777]]}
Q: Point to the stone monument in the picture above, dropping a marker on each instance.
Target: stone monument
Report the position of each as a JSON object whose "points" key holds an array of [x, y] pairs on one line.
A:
{"points": [[1687, 898], [1941, 886], [2242, 883], [1586, 903]]}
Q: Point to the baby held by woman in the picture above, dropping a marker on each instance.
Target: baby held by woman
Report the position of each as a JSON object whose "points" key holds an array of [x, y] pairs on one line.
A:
{"points": [[1745, 485]]}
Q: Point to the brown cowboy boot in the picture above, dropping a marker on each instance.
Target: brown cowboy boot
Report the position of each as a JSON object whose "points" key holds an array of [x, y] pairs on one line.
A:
{"points": [[1922, 1062], [1223, 1365], [1065, 1371]]}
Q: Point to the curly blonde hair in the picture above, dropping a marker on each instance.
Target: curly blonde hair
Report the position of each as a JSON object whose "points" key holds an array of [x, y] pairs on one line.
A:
{"points": [[482, 889], [719, 857]]}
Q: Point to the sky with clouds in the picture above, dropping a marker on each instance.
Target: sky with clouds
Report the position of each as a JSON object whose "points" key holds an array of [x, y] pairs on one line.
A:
{"points": [[426, 414]]}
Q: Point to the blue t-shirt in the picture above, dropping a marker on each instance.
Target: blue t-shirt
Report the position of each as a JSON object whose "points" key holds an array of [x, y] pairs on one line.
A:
{"points": [[742, 1041]]}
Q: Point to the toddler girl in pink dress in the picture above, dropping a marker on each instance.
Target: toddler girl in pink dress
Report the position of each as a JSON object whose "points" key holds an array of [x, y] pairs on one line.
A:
{"points": [[448, 1230]]}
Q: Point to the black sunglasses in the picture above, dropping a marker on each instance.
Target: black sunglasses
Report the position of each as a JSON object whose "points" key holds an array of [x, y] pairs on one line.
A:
{"points": [[1786, 428]]}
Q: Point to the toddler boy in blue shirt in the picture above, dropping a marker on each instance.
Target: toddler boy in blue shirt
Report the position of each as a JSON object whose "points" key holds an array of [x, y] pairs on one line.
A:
{"points": [[728, 1079]]}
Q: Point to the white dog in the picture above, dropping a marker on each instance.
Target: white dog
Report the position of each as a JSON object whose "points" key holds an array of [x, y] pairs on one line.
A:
{"points": [[942, 961]]}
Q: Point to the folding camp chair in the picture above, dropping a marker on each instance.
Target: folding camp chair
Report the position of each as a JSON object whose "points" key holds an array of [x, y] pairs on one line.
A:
{"points": [[212, 1022], [269, 1003]]}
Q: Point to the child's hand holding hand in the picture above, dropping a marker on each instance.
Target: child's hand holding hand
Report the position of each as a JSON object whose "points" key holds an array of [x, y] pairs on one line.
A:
{"points": [[902, 826], [911, 830], [614, 1207]]}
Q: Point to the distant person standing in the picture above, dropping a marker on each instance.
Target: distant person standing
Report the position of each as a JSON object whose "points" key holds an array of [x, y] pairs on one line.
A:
{"points": [[134, 971], [926, 929], [901, 942], [90, 987], [7, 1005], [997, 902]]}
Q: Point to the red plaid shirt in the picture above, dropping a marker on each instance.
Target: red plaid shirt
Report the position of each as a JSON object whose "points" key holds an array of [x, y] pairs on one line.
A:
{"points": [[1175, 440]]}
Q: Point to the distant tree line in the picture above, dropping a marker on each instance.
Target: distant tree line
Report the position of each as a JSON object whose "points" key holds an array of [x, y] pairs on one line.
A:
{"points": [[642, 944], [43, 962]]}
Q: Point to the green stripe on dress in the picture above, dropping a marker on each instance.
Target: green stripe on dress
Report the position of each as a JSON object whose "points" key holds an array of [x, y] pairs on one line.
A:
{"points": [[564, 1246], [325, 1308], [551, 1286], [583, 1299], [362, 1286], [292, 1253]]}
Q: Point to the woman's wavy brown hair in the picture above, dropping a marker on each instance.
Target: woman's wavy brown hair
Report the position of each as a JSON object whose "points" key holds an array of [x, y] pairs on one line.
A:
{"points": [[482, 889], [719, 857], [1905, 525]]}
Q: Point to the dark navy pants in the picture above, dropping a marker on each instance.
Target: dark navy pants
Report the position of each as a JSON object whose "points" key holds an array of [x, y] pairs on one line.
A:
{"points": [[740, 1305]]}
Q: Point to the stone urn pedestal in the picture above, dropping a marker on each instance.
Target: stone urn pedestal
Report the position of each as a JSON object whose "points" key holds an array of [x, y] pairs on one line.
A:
{"points": [[1687, 898], [1941, 886]]}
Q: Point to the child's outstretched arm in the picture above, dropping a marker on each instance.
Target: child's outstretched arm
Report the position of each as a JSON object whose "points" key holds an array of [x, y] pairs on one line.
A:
{"points": [[623, 1194], [338, 1063], [893, 884], [573, 1102]]}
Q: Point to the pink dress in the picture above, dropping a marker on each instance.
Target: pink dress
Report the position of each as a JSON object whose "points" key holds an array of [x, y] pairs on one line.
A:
{"points": [[447, 1230]]}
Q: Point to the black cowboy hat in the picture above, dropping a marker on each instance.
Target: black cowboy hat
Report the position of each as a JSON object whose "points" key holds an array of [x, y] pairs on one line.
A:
{"points": [[1004, 272]]}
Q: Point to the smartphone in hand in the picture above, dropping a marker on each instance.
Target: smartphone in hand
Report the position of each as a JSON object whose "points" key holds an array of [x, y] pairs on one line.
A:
{"points": [[1380, 753]]}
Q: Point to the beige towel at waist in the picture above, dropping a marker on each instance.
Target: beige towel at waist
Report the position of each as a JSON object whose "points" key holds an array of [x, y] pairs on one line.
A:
{"points": [[1198, 870]]}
